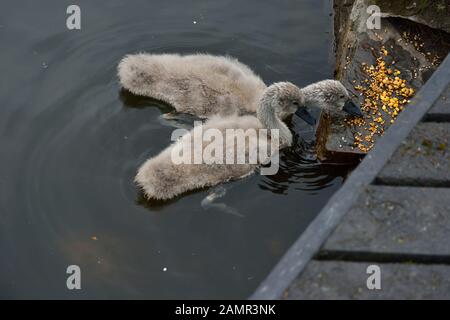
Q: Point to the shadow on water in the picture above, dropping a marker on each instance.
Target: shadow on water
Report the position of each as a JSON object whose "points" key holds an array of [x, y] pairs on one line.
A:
{"points": [[300, 167], [131, 100]]}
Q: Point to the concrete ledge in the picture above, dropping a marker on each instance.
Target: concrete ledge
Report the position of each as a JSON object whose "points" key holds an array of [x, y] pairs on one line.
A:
{"points": [[440, 111], [422, 159], [396, 220], [347, 280]]}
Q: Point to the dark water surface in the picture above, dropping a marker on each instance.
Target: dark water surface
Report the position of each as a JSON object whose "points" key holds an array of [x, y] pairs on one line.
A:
{"points": [[71, 144]]}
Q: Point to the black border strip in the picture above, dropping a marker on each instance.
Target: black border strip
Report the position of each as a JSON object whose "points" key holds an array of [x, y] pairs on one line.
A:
{"points": [[382, 257], [309, 243]]}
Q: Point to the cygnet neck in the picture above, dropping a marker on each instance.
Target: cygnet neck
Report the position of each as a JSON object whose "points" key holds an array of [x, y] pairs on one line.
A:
{"points": [[268, 118]]}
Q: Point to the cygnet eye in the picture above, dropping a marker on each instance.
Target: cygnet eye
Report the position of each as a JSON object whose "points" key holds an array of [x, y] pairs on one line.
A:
{"points": [[296, 103], [342, 96]]}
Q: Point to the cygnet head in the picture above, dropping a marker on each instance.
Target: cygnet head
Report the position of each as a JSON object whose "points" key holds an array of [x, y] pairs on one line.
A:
{"points": [[331, 96], [286, 98]]}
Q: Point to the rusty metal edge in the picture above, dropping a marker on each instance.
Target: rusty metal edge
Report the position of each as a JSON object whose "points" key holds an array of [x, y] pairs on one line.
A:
{"points": [[310, 241]]}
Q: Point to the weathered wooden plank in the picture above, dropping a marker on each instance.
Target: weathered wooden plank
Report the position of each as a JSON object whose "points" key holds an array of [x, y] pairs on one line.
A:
{"points": [[440, 111], [423, 159], [347, 280], [396, 220]]}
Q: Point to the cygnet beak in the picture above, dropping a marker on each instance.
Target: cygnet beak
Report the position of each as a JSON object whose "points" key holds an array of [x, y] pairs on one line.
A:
{"points": [[352, 109], [305, 115]]}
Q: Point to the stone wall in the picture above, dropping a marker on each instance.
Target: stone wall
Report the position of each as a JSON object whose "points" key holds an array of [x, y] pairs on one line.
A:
{"points": [[414, 47]]}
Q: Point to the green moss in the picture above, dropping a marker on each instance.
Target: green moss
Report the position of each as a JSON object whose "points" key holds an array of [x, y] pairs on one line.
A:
{"points": [[427, 143], [441, 6], [423, 4], [442, 146]]}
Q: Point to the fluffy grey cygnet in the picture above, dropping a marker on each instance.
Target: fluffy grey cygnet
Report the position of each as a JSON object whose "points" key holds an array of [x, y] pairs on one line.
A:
{"points": [[206, 85], [160, 178]]}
